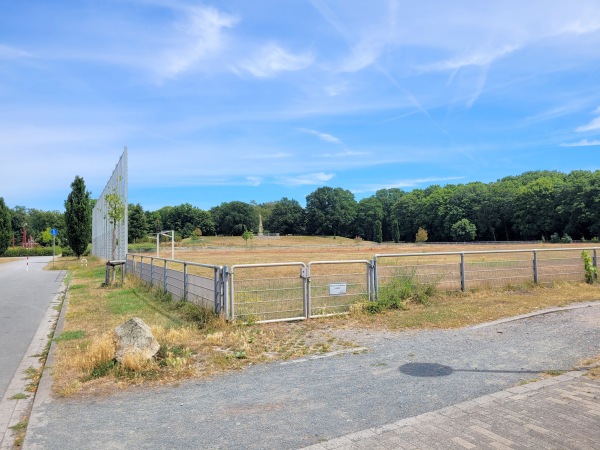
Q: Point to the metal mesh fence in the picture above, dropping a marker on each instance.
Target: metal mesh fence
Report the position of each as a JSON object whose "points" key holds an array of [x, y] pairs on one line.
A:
{"points": [[102, 229], [560, 266], [483, 269], [494, 270], [291, 291], [443, 271], [196, 283]]}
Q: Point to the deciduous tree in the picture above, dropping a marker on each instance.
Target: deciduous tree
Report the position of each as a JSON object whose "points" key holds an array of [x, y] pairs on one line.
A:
{"points": [[330, 212]]}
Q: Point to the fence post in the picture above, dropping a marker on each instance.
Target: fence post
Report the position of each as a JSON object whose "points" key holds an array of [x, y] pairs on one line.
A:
{"points": [[216, 290], [463, 278], [224, 288], [185, 282], [151, 271], [305, 275], [231, 296], [165, 278], [535, 267], [595, 262], [375, 280], [369, 279], [141, 267]]}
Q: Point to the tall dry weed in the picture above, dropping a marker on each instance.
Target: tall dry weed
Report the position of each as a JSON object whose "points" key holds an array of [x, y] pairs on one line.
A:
{"points": [[100, 350]]}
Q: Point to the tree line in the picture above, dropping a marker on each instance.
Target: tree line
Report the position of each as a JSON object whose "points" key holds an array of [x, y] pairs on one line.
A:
{"points": [[74, 225], [531, 206]]}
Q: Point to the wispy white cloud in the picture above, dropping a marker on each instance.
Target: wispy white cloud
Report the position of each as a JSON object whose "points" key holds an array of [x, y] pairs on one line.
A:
{"points": [[582, 143], [336, 89], [197, 36], [343, 154], [8, 52], [593, 125], [323, 136], [558, 111], [582, 26], [273, 59], [254, 181], [306, 180], [406, 183], [480, 58], [279, 155]]}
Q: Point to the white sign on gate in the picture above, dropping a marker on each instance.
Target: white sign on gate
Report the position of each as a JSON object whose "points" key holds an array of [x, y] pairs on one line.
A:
{"points": [[337, 289]]}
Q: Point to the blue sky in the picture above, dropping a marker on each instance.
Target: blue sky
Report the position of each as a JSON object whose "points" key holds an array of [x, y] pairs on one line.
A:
{"points": [[257, 100]]}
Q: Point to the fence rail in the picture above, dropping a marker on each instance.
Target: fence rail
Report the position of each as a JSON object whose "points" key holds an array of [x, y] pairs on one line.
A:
{"points": [[287, 291]]}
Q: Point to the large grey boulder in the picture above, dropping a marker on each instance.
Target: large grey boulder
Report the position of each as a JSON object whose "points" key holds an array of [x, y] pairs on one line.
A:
{"points": [[135, 337]]}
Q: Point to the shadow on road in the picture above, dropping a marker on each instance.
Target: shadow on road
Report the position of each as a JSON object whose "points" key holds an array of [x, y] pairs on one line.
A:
{"points": [[440, 370]]}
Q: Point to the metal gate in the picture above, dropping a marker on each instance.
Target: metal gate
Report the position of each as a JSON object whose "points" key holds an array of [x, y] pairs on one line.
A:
{"points": [[335, 285], [296, 291], [267, 292]]}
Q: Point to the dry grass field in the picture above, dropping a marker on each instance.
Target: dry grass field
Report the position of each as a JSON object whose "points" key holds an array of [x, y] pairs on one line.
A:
{"points": [[230, 250]]}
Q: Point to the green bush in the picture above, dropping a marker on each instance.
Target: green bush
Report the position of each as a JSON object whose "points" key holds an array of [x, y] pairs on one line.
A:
{"points": [[402, 288], [37, 251], [143, 247], [591, 271], [68, 252], [566, 239]]}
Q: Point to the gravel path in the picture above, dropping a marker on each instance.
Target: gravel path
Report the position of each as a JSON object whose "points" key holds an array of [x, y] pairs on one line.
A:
{"points": [[300, 403]]}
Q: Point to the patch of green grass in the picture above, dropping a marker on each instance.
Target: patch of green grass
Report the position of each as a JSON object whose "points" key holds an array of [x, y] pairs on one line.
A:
{"points": [[553, 373], [34, 376], [75, 287], [19, 430], [70, 335], [19, 396], [124, 302], [196, 314], [530, 380], [102, 369]]}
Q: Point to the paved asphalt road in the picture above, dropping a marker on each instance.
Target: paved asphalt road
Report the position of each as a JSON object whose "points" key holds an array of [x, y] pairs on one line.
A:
{"points": [[24, 299], [303, 402]]}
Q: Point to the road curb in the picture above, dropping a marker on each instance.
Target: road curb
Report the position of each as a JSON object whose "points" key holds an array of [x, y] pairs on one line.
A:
{"points": [[13, 411], [44, 389], [534, 314]]}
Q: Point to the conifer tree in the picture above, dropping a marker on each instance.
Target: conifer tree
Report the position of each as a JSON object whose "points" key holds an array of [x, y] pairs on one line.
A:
{"points": [[78, 217]]}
